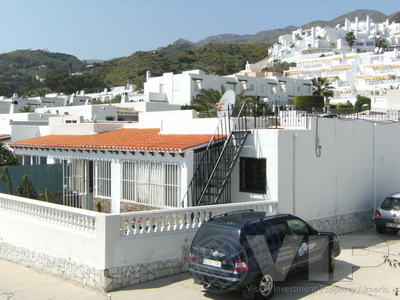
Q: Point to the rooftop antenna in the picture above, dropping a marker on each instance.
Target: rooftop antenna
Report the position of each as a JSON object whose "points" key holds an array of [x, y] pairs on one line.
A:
{"points": [[227, 99]]}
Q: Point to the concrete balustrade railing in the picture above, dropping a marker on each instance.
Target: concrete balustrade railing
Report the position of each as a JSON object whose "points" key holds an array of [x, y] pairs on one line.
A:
{"points": [[48, 213], [104, 251], [145, 223]]}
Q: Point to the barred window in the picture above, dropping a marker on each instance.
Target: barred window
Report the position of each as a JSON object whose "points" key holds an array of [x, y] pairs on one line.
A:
{"points": [[102, 179], [151, 183]]}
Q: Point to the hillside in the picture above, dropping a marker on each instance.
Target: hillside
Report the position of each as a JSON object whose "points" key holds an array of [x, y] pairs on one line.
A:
{"points": [[395, 17], [221, 59], [361, 14], [271, 36], [220, 54], [19, 68]]}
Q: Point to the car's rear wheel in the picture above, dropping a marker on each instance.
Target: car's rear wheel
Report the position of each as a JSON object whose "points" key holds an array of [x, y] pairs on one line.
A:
{"points": [[380, 229], [266, 286]]}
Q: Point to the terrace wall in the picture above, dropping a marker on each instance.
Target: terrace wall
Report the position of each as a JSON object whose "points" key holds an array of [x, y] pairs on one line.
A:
{"points": [[102, 251]]}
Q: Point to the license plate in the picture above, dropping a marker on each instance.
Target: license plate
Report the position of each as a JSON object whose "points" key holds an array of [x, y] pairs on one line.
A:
{"points": [[393, 225], [212, 263]]}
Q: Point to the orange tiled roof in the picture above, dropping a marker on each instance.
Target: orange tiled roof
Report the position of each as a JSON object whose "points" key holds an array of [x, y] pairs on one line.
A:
{"points": [[4, 136], [123, 139]]}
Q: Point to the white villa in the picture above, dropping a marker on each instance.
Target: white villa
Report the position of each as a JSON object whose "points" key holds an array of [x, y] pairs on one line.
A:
{"points": [[171, 171], [182, 88]]}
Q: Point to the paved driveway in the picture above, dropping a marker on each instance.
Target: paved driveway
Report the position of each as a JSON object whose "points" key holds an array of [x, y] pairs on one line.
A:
{"points": [[361, 274]]}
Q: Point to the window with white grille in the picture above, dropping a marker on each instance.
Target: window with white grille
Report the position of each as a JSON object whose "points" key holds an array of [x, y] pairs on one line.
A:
{"points": [[102, 179], [151, 183]]}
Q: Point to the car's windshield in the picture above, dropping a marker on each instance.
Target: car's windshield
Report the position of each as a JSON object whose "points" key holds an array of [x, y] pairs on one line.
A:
{"points": [[391, 203]]}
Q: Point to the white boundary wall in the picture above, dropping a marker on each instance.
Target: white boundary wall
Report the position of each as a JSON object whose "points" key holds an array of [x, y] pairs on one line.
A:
{"points": [[103, 251]]}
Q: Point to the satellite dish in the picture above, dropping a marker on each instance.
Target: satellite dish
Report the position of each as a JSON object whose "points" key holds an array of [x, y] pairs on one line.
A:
{"points": [[228, 98]]}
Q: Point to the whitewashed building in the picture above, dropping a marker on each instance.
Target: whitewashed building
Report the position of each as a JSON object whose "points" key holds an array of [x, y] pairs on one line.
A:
{"points": [[182, 88], [352, 74], [313, 42]]}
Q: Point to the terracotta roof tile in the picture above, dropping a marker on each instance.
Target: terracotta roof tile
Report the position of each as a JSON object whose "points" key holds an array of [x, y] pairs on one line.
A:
{"points": [[4, 136], [124, 139]]}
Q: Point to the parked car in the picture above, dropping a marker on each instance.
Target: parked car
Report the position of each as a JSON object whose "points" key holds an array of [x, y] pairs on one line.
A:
{"points": [[387, 216], [250, 251]]}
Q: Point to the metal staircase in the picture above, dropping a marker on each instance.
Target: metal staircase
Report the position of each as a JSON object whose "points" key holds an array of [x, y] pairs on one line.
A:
{"points": [[215, 164]]}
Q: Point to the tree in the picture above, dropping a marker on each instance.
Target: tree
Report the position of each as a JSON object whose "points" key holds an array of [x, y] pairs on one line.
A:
{"points": [[206, 99], [362, 103], [322, 87], [350, 38], [6, 90], [380, 43], [7, 157]]}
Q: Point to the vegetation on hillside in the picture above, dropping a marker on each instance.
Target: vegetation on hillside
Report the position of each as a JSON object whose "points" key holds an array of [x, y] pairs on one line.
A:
{"points": [[279, 67], [18, 69], [21, 67], [220, 59]]}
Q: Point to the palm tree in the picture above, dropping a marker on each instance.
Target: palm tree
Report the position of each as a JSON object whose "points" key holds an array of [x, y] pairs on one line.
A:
{"points": [[322, 87], [206, 99], [380, 43], [350, 38], [26, 109]]}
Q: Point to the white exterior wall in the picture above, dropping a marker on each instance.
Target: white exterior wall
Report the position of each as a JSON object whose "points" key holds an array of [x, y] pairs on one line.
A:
{"points": [[88, 112], [338, 182], [182, 88], [357, 168]]}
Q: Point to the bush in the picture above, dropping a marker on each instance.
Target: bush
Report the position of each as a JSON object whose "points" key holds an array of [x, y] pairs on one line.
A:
{"points": [[309, 103], [362, 103]]}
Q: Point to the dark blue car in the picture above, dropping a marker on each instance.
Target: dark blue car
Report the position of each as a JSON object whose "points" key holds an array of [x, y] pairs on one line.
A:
{"points": [[250, 251]]}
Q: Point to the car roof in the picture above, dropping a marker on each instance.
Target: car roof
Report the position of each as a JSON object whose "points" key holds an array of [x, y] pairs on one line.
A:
{"points": [[395, 195], [239, 219]]}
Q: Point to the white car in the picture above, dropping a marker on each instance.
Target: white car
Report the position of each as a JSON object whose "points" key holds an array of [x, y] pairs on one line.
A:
{"points": [[387, 216]]}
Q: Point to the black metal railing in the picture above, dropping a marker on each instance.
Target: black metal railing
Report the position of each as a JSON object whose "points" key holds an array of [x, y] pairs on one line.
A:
{"points": [[214, 163]]}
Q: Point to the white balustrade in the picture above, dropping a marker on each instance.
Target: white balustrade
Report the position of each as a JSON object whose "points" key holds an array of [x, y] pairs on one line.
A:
{"points": [[173, 220], [48, 213]]}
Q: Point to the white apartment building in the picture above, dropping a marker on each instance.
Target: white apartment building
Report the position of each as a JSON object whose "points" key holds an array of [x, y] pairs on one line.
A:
{"points": [[182, 88], [367, 74], [127, 92], [313, 42]]}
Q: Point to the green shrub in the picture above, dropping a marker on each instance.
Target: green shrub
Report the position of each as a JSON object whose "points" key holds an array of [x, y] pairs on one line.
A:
{"points": [[309, 103], [362, 103]]}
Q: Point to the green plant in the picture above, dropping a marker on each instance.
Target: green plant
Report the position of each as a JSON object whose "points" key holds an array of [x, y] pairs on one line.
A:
{"points": [[7, 157], [206, 100], [380, 42], [26, 109], [362, 103], [98, 206], [26, 188], [309, 103], [5, 177], [322, 87], [350, 38]]}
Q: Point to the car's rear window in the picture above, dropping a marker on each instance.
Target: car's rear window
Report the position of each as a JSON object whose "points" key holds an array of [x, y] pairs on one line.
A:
{"points": [[209, 235], [391, 203]]}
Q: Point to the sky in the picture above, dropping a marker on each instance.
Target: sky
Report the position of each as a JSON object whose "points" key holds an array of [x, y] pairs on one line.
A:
{"points": [[105, 29]]}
